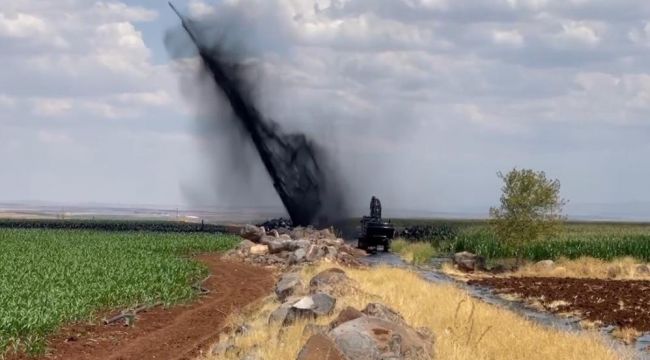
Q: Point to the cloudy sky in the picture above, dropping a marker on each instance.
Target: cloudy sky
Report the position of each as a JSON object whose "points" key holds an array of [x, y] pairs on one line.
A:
{"points": [[420, 101]]}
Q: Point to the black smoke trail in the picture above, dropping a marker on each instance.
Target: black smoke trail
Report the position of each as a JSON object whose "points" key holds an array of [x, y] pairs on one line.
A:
{"points": [[301, 175]]}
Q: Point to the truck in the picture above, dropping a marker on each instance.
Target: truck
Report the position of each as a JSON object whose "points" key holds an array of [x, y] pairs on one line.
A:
{"points": [[375, 231]]}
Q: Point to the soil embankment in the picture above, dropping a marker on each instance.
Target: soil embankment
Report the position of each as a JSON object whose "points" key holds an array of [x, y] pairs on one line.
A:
{"points": [[623, 303], [180, 332]]}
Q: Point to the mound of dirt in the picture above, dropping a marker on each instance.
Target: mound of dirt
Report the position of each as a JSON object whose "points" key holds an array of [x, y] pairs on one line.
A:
{"points": [[623, 303]]}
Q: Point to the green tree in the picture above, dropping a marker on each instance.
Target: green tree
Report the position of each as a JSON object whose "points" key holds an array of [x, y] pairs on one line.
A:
{"points": [[531, 208]]}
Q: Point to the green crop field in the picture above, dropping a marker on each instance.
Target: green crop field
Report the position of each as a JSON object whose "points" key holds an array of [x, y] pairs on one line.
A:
{"points": [[605, 245], [52, 277], [594, 239]]}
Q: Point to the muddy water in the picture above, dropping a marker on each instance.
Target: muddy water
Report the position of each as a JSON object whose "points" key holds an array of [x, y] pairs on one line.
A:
{"points": [[432, 273]]}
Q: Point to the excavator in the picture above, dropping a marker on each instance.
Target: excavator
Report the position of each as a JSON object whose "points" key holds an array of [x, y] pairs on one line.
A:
{"points": [[374, 231]]}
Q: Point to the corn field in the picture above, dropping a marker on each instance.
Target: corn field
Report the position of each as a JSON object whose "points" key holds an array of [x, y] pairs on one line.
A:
{"points": [[53, 277], [602, 242]]}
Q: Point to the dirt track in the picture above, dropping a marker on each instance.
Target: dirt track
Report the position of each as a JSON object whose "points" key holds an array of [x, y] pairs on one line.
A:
{"points": [[623, 303], [181, 332]]}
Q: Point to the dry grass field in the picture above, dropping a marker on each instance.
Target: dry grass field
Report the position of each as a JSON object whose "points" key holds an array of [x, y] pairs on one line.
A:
{"points": [[464, 327]]}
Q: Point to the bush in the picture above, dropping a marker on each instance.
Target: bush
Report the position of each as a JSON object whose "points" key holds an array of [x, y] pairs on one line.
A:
{"points": [[530, 208]]}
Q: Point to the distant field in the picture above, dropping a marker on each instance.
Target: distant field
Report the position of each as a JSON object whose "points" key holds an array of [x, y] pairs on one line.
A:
{"points": [[52, 277], [111, 225]]}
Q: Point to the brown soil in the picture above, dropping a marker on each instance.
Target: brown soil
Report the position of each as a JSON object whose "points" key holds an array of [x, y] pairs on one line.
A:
{"points": [[623, 303], [180, 332]]}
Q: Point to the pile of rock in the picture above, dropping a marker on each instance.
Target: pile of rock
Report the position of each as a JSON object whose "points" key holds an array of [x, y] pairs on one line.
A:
{"points": [[375, 333], [293, 247]]}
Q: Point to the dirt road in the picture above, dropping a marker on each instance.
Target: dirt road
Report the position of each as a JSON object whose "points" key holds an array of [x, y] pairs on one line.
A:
{"points": [[181, 332], [623, 303]]}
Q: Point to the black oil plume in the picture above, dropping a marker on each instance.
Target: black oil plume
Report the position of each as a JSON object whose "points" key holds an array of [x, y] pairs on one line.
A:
{"points": [[307, 186]]}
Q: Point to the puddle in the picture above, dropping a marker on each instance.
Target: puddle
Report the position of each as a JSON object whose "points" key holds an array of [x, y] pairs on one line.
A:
{"points": [[432, 273]]}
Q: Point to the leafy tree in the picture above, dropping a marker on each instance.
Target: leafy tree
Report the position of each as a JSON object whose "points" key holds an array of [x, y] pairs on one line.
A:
{"points": [[531, 208]]}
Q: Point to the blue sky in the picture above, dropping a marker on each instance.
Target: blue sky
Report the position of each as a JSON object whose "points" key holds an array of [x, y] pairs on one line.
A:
{"points": [[420, 101]]}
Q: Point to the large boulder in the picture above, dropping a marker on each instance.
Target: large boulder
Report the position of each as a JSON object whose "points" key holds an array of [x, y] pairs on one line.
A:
{"points": [[288, 285], [252, 233], [466, 261], [371, 338], [328, 280], [320, 347]]}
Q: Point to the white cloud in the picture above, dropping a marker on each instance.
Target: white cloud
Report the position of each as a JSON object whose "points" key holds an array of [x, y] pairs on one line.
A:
{"points": [[154, 98], [508, 37], [21, 25], [199, 8], [51, 107], [579, 33], [123, 12]]}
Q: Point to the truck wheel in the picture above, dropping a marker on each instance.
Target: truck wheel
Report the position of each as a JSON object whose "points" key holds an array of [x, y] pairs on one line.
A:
{"points": [[387, 246], [361, 245]]}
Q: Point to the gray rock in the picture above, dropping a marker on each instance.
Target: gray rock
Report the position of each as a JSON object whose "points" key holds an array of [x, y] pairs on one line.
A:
{"points": [[467, 261], [308, 307], [285, 237], [277, 246], [252, 233], [319, 304], [303, 244], [275, 234], [327, 280], [314, 253], [370, 338], [288, 285], [278, 315], [383, 312], [297, 256]]}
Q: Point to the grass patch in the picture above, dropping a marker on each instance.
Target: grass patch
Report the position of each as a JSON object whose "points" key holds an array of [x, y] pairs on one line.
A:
{"points": [[623, 268], [416, 253], [464, 328], [52, 277]]}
